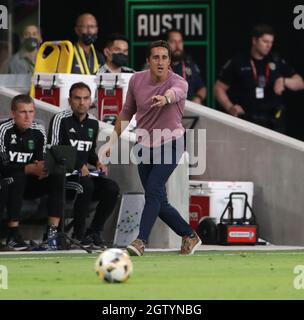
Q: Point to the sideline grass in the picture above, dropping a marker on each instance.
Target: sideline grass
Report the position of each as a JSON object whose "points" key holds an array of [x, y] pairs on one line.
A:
{"points": [[205, 275]]}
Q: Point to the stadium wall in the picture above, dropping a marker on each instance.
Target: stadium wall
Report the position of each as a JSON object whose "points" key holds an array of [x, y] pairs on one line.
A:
{"points": [[237, 150]]}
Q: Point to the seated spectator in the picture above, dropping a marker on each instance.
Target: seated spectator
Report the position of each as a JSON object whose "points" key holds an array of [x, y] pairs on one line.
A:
{"points": [[87, 59], [116, 52], [23, 62], [184, 66], [22, 151]]}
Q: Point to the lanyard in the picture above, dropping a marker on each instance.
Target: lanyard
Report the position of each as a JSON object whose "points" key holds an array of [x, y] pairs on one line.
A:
{"points": [[82, 61], [255, 74]]}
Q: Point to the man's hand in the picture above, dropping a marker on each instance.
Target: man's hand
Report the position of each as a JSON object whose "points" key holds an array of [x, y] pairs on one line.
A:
{"points": [[197, 99], [236, 110], [37, 169], [100, 166], [85, 171], [158, 101], [279, 86]]}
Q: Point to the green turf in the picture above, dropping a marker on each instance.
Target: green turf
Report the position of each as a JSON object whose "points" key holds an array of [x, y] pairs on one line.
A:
{"points": [[205, 275]]}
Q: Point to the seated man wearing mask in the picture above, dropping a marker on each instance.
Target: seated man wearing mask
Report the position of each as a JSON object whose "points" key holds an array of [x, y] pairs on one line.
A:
{"points": [[116, 53], [23, 62], [86, 60]]}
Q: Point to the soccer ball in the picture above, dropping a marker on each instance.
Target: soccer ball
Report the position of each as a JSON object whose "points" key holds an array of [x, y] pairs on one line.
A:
{"points": [[113, 265]]}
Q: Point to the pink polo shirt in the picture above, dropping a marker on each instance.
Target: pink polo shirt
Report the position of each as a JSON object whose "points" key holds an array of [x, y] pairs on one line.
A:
{"points": [[155, 125]]}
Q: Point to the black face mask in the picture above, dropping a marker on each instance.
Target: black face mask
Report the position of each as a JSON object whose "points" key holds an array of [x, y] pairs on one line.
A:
{"points": [[30, 44], [88, 38], [119, 59]]}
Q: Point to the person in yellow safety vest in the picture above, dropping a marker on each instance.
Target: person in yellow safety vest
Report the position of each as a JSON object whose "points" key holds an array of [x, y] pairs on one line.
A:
{"points": [[87, 60]]}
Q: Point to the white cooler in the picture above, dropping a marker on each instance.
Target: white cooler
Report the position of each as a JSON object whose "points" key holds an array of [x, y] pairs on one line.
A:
{"points": [[209, 198], [107, 80], [54, 87], [111, 94]]}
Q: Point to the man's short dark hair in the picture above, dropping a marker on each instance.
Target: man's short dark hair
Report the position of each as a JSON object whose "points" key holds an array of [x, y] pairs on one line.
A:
{"points": [[20, 98], [260, 29], [171, 31], [158, 43], [79, 85], [113, 37]]}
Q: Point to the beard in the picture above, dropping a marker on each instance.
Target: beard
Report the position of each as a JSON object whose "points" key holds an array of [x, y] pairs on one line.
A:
{"points": [[177, 56]]}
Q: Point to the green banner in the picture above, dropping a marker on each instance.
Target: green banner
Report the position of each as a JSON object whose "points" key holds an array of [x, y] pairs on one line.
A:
{"points": [[148, 20]]}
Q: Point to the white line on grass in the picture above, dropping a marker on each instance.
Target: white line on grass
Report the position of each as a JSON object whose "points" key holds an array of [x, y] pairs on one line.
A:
{"points": [[201, 254]]}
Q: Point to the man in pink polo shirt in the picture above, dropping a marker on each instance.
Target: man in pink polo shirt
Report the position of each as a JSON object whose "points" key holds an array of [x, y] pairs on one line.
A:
{"points": [[157, 96]]}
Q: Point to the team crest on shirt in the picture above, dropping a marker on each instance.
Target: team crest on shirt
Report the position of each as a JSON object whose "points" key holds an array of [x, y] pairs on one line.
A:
{"points": [[90, 133], [31, 144], [272, 66], [13, 139]]}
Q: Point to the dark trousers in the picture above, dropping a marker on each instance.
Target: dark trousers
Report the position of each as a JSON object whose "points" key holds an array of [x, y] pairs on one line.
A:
{"points": [[101, 189], [153, 178], [30, 187], [274, 118]]}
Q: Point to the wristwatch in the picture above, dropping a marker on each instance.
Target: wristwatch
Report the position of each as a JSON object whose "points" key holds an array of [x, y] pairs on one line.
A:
{"points": [[168, 99]]}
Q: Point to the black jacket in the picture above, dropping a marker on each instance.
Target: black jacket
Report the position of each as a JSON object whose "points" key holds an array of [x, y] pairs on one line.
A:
{"points": [[18, 148], [66, 129], [238, 74]]}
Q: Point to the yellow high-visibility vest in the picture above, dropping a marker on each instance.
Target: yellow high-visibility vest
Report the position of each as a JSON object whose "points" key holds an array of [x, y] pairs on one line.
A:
{"points": [[82, 61]]}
